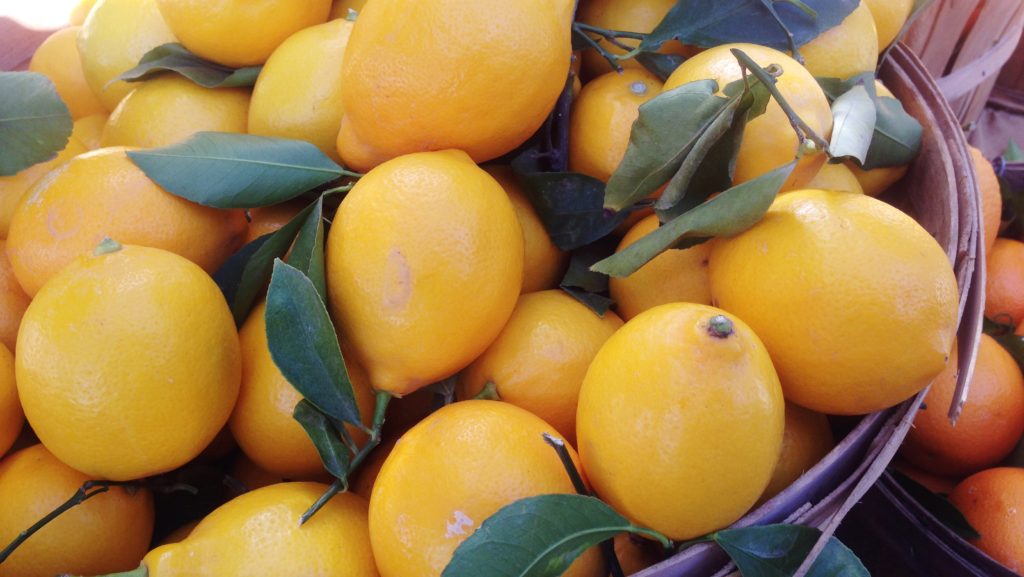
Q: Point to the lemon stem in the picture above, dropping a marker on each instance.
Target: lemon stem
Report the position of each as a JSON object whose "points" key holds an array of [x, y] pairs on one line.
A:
{"points": [[803, 131], [88, 490], [607, 547], [488, 393], [341, 485], [106, 246], [720, 326]]}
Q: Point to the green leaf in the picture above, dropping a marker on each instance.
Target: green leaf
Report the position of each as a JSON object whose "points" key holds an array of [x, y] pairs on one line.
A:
{"points": [[34, 122], [305, 347], [569, 204], [897, 135], [853, 124], [779, 550], [237, 170], [666, 130], [308, 252], [940, 507], [538, 537], [326, 438], [729, 213], [244, 276], [176, 58], [709, 23], [585, 285], [1013, 153]]}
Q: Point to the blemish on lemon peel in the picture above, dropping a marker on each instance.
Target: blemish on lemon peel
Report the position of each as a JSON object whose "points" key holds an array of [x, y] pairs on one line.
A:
{"points": [[720, 327], [400, 288], [458, 525]]}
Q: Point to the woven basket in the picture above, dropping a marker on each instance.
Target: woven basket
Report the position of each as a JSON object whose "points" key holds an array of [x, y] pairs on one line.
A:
{"points": [[964, 44], [939, 192]]}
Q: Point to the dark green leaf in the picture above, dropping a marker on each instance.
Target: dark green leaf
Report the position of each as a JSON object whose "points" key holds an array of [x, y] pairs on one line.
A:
{"points": [[666, 130], [661, 65], [237, 170], [709, 23], [229, 276], [245, 275], [326, 438], [940, 507], [1013, 153], [538, 537], [571, 205], [305, 347], [585, 285], [176, 58], [308, 252], [853, 124], [729, 213], [34, 122], [779, 550]]}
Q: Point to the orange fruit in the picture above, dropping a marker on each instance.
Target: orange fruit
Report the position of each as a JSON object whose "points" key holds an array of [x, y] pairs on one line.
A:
{"points": [[889, 16], [602, 119], [426, 248], [844, 50], [768, 140], [13, 187], [114, 37], [856, 302], [649, 443], [1004, 282], [991, 198], [540, 358], [808, 438], [366, 476], [451, 472], [992, 500], [102, 193], [57, 59], [259, 533], [13, 302], [298, 92], [636, 553], [155, 381], [991, 422], [262, 421], [107, 533], [676, 275], [836, 177], [11, 416], [239, 33], [170, 108], [628, 15], [543, 262], [406, 83]]}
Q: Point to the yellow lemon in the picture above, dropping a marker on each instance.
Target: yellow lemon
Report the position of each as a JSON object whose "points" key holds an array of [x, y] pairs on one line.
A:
{"points": [[170, 108], [298, 92], [837, 177], [258, 533], [57, 58], [890, 16], [424, 266], [89, 130], [11, 416], [109, 532], [13, 187], [451, 472], [539, 359], [113, 38], [808, 438], [856, 302], [844, 50], [155, 381], [408, 87], [239, 33]]}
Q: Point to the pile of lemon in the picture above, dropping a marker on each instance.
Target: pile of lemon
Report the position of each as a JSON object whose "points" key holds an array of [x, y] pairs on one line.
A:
{"points": [[703, 392]]}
